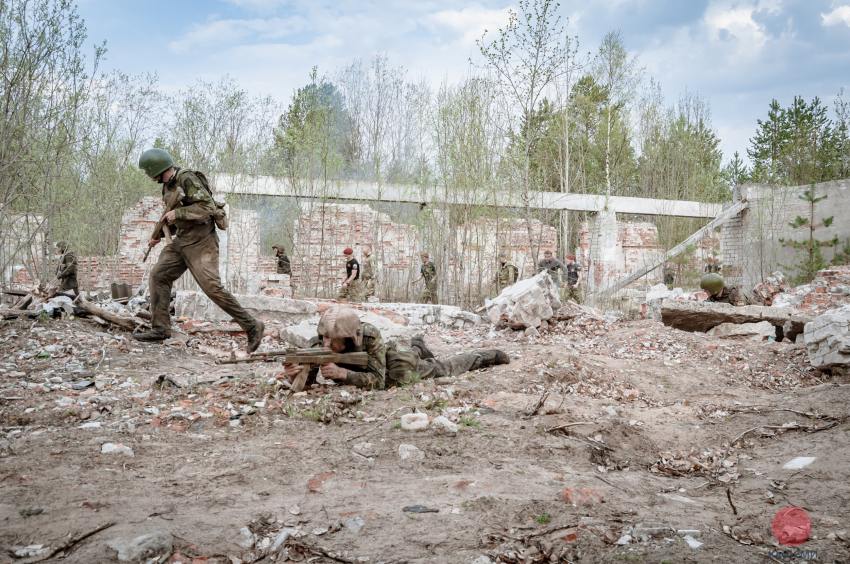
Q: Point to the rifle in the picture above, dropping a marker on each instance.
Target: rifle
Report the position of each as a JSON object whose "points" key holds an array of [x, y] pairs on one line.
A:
{"points": [[171, 202], [307, 358]]}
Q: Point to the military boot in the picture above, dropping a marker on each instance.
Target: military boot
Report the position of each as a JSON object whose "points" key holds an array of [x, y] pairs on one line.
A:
{"points": [[490, 357], [255, 335], [152, 336], [417, 343]]}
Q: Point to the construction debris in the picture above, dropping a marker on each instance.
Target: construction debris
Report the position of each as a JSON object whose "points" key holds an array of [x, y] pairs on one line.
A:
{"points": [[703, 316], [827, 339], [528, 303]]}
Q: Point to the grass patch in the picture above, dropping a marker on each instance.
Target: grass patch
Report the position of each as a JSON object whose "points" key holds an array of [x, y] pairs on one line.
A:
{"points": [[543, 518], [470, 421]]}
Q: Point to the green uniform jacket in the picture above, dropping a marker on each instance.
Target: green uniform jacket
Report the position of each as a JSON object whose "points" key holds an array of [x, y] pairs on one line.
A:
{"points": [[194, 214], [429, 274]]}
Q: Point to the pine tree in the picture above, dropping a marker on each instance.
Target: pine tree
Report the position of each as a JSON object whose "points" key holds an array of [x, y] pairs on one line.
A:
{"points": [[768, 145], [813, 259]]}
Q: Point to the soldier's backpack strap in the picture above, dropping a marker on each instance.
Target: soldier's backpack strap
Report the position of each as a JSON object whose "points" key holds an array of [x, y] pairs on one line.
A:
{"points": [[220, 217]]}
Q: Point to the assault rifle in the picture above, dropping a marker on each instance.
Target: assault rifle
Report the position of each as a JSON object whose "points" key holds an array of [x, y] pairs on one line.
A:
{"points": [[171, 202], [306, 358]]}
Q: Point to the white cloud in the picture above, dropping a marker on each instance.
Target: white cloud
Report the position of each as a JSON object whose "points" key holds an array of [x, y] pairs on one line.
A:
{"points": [[469, 23], [219, 32], [735, 23], [840, 15]]}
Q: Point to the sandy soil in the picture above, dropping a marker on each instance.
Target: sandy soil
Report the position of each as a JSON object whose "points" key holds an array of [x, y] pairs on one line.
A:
{"points": [[662, 434]]}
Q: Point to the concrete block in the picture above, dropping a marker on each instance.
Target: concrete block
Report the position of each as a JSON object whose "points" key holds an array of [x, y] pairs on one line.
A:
{"points": [[196, 305]]}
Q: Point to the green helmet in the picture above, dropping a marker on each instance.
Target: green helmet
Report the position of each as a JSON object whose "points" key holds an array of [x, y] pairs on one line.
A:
{"points": [[712, 283], [155, 161]]}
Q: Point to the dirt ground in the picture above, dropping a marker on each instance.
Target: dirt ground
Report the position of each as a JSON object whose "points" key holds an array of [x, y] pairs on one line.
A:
{"points": [[600, 442]]}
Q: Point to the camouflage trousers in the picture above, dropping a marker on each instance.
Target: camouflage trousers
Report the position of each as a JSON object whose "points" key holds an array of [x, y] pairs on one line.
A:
{"points": [[352, 292], [404, 364], [429, 294], [368, 285], [201, 259]]}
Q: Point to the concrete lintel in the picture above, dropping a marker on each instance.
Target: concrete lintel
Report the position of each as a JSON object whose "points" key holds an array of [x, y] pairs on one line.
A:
{"points": [[354, 190]]}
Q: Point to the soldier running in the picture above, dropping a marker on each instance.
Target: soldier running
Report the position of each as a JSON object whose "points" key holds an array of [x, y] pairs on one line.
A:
{"points": [[195, 247], [341, 330]]}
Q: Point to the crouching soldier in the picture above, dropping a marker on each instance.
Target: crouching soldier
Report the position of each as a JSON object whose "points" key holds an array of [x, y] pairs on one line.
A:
{"points": [[718, 292], [341, 331]]}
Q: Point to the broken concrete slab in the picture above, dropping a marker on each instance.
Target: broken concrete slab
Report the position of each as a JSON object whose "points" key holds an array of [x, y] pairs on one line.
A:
{"points": [[197, 305], [423, 314], [827, 339], [702, 316], [761, 331], [527, 303]]}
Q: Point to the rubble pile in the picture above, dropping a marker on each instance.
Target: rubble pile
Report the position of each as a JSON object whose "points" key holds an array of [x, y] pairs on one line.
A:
{"points": [[829, 289], [526, 304], [772, 286], [827, 339]]}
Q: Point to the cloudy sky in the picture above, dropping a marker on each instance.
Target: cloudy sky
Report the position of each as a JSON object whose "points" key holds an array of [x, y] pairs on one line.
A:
{"points": [[736, 54]]}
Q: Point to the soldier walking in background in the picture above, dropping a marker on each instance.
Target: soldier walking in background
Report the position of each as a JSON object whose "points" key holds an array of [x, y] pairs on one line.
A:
{"points": [[350, 289], [572, 271], [552, 266], [283, 265], [712, 265], [369, 274], [508, 273], [195, 247], [428, 273], [66, 272]]}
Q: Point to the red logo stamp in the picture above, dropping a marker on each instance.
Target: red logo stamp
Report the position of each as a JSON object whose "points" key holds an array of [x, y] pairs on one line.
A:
{"points": [[791, 526]]}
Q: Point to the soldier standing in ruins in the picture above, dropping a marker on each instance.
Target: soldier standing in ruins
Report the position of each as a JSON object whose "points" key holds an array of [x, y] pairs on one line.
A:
{"points": [[508, 273], [283, 265], [370, 269], [572, 270], [195, 247], [66, 272], [551, 265], [350, 289], [428, 273]]}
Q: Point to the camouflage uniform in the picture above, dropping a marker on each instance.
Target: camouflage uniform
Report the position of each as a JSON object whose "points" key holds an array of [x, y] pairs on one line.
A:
{"points": [[551, 265], [373, 375], [506, 276], [67, 271], [283, 265], [368, 277], [405, 365], [195, 247], [712, 267], [727, 295], [392, 365], [429, 274]]}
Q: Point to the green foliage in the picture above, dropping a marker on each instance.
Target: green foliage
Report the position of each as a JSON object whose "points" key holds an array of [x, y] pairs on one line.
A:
{"points": [[543, 518], [799, 144], [812, 254], [470, 421]]}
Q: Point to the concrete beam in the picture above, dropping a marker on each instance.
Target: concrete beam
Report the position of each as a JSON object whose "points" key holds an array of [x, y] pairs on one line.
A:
{"points": [[722, 217], [370, 191]]}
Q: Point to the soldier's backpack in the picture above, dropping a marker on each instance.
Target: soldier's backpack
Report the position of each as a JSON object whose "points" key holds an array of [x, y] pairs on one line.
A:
{"points": [[220, 216]]}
